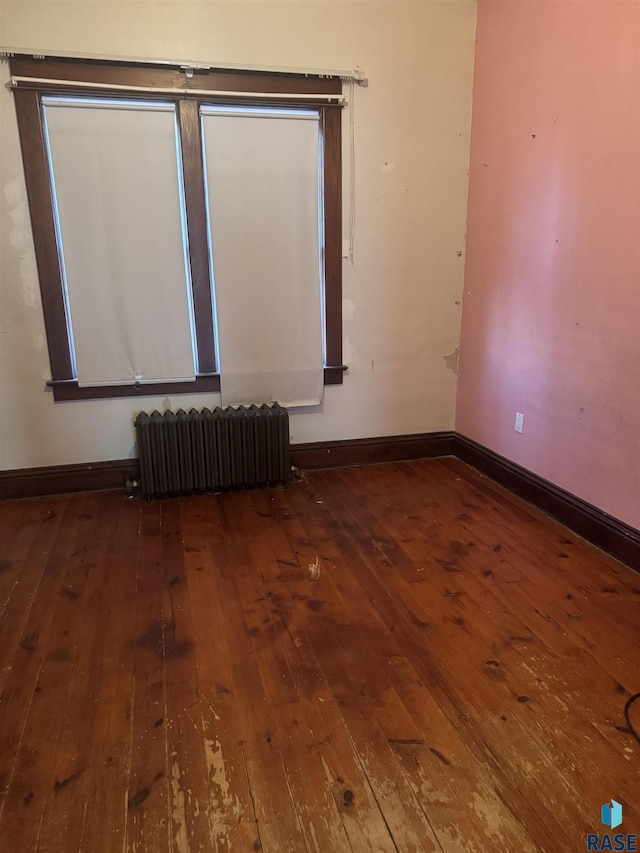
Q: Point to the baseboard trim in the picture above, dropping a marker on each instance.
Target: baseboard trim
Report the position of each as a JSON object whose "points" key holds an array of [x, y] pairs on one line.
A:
{"points": [[93, 476], [363, 451], [58, 479], [613, 536]]}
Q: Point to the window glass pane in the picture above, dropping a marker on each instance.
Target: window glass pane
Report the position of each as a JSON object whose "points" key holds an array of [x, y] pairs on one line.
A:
{"points": [[121, 229], [261, 170]]}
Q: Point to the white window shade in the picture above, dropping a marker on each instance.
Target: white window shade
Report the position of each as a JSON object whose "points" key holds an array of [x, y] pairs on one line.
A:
{"points": [[263, 201], [121, 228]]}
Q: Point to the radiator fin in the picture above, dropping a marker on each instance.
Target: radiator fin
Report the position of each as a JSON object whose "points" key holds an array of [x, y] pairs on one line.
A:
{"points": [[196, 451]]}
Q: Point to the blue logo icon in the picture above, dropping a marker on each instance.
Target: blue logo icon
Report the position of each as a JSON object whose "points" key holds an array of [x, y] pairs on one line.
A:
{"points": [[612, 814]]}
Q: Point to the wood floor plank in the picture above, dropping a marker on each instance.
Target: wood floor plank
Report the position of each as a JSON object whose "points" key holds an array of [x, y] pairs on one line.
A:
{"points": [[228, 803], [46, 673], [277, 821], [22, 520], [63, 820], [316, 811], [30, 534], [110, 757], [191, 753], [148, 823]]}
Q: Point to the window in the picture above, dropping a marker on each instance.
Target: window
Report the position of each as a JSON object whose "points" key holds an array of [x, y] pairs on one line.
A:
{"points": [[158, 195], [264, 205], [119, 214]]}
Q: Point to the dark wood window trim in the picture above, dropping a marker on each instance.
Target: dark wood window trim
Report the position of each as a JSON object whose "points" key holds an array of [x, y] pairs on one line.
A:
{"points": [[195, 206], [332, 153], [36, 174], [114, 78]]}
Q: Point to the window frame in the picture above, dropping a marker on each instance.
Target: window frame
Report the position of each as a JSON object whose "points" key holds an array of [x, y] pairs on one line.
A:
{"points": [[38, 77]]}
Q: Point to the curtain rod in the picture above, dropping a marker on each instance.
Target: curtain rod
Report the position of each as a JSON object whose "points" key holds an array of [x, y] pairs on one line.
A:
{"points": [[355, 75], [37, 82]]}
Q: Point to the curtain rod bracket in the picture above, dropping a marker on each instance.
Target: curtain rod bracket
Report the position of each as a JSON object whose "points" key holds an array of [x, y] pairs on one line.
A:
{"points": [[190, 68], [356, 77]]}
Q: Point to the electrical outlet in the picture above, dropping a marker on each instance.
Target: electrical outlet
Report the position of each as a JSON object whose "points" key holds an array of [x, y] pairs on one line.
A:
{"points": [[519, 421]]}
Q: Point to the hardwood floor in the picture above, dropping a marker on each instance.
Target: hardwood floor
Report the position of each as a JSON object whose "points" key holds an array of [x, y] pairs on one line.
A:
{"points": [[395, 657]]}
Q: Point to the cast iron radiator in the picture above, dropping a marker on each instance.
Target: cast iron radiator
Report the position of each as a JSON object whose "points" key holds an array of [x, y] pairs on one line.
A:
{"points": [[198, 451]]}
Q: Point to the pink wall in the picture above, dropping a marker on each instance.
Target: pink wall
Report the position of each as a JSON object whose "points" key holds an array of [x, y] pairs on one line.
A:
{"points": [[551, 307]]}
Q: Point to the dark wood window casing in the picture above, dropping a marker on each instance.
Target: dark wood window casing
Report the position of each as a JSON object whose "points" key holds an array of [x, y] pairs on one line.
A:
{"points": [[187, 88]]}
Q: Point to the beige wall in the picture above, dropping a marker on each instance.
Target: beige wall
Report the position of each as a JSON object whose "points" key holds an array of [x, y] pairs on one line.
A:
{"points": [[402, 307]]}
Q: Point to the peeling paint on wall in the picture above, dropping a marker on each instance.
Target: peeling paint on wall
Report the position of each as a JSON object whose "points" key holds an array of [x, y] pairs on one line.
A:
{"points": [[451, 361], [348, 309], [350, 353], [347, 351], [20, 240]]}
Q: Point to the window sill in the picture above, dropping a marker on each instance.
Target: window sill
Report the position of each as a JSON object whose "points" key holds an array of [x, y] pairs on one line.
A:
{"points": [[64, 390], [333, 375], [70, 390]]}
